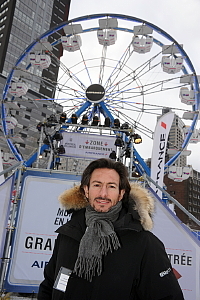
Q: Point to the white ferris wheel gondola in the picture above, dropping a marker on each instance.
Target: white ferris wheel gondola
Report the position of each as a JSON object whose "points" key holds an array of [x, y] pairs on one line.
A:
{"points": [[142, 41], [18, 89], [187, 96], [41, 60], [11, 122], [8, 159], [179, 174], [72, 43], [39, 57], [106, 33], [172, 65], [142, 44], [195, 137], [107, 37]]}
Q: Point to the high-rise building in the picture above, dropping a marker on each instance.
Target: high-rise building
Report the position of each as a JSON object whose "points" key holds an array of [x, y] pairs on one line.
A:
{"points": [[175, 139], [186, 193], [21, 22]]}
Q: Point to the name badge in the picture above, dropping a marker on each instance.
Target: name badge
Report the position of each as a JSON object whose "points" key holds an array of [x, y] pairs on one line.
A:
{"points": [[62, 279]]}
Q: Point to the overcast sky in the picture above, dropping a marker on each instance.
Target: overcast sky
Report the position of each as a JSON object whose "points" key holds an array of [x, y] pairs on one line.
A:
{"points": [[179, 18]]}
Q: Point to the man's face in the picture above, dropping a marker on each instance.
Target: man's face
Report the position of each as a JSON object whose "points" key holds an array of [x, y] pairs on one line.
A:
{"points": [[103, 192]]}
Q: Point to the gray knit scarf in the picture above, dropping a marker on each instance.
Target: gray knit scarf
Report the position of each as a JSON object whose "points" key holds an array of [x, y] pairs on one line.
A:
{"points": [[98, 239]]}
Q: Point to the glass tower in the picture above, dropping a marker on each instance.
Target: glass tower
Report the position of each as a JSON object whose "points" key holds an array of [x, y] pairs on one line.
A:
{"points": [[21, 22]]}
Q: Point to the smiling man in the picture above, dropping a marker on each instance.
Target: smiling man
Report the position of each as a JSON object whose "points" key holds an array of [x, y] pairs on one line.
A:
{"points": [[106, 251], [103, 191]]}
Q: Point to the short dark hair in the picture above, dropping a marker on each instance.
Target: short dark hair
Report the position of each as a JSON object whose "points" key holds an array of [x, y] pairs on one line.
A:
{"points": [[104, 163]]}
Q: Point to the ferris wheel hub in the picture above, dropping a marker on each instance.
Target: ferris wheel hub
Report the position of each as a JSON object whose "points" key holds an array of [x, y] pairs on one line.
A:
{"points": [[95, 93]]}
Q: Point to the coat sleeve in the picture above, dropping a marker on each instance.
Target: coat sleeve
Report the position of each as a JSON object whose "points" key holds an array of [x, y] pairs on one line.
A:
{"points": [[46, 286], [157, 280]]}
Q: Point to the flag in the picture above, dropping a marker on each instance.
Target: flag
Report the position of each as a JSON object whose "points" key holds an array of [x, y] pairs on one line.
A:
{"points": [[159, 149]]}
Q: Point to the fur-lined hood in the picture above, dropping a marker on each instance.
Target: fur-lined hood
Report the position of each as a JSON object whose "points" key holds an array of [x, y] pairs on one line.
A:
{"points": [[140, 198]]}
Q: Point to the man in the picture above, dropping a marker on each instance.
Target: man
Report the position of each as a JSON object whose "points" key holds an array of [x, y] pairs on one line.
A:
{"points": [[106, 251]]}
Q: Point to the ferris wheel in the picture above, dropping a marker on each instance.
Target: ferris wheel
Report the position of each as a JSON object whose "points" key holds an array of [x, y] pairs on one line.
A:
{"points": [[116, 76]]}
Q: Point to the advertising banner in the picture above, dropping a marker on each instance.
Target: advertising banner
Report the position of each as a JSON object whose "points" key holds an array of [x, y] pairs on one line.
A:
{"points": [[183, 250], [88, 145], [5, 203], [159, 149], [38, 217]]}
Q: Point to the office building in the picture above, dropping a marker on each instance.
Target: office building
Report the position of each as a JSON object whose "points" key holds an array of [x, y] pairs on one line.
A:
{"points": [[186, 193], [175, 139], [21, 22]]}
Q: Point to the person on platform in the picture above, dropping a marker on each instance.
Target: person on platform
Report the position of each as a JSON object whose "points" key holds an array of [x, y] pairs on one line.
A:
{"points": [[106, 251]]}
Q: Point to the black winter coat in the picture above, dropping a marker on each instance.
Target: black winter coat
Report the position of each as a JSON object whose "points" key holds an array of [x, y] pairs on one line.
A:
{"points": [[139, 270]]}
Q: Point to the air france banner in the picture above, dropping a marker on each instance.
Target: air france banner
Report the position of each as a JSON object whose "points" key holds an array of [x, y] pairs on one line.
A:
{"points": [[85, 145], [38, 217], [183, 250], [159, 149]]}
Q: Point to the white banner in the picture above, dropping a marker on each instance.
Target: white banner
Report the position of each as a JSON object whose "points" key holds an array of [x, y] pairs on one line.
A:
{"points": [[5, 202], [159, 149], [39, 216], [88, 145], [183, 250]]}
